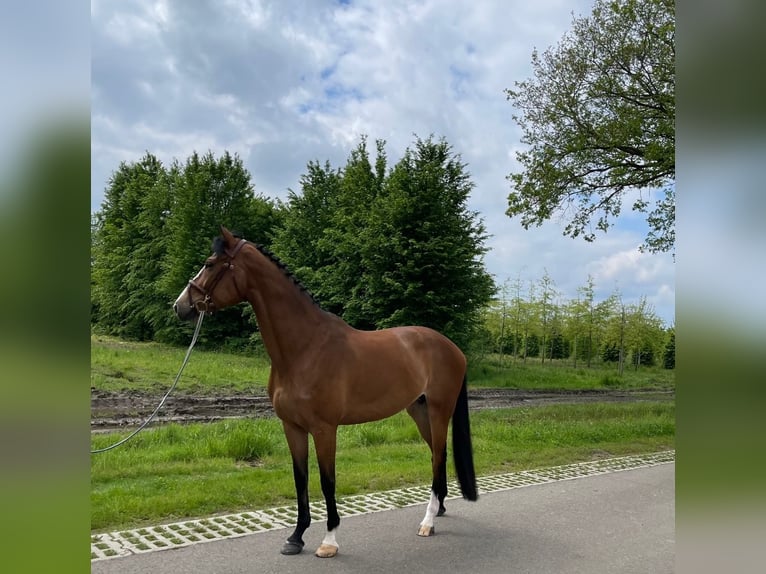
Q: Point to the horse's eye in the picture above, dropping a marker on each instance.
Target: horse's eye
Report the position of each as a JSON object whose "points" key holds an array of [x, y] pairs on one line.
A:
{"points": [[209, 264]]}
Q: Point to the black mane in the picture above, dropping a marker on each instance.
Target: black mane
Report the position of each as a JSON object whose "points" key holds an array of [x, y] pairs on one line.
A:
{"points": [[286, 271], [219, 248]]}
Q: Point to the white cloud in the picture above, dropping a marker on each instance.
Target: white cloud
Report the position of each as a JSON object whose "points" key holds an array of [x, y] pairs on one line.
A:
{"points": [[254, 13], [283, 83], [129, 28], [631, 265]]}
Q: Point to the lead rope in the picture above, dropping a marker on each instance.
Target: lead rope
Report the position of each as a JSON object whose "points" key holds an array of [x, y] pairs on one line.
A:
{"points": [[162, 402]]}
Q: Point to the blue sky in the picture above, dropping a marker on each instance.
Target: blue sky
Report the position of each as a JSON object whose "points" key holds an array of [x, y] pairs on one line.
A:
{"points": [[285, 82]]}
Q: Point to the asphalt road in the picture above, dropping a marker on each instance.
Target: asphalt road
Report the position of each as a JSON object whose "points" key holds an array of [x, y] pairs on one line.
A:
{"points": [[622, 522]]}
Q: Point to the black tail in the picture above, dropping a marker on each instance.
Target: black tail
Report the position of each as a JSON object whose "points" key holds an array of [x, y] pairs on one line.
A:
{"points": [[461, 445]]}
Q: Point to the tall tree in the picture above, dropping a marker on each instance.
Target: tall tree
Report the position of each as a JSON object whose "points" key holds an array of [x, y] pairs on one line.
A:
{"points": [[558, 346], [307, 214], [616, 330], [504, 310], [383, 249], [208, 192], [592, 322], [153, 230], [606, 315], [669, 352], [423, 248], [518, 316], [645, 333], [349, 277], [545, 311], [575, 326], [322, 228], [146, 299], [128, 247], [599, 120], [530, 324]]}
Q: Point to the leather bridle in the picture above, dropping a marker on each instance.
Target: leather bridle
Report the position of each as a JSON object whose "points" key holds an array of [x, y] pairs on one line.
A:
{"points": [[207, 304]]}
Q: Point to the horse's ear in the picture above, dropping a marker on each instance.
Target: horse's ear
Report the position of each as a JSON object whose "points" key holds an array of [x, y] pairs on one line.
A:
{"points": [[228, 237]]}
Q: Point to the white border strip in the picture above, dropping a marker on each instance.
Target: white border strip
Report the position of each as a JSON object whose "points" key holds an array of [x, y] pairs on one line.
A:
{"points": [[178, 534]]}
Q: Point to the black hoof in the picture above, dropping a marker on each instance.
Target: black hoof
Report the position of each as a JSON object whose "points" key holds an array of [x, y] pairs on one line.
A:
{"points": [[441, 512], [291, 548]]}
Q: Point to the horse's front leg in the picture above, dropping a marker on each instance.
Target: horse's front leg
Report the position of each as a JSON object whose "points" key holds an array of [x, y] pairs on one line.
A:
{"points": [[298, 441], [325, 441]]}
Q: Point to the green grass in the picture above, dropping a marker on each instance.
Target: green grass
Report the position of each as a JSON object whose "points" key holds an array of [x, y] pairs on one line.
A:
{"points": [[118, 365], [176, 471], [496, 372], [150, 367]]}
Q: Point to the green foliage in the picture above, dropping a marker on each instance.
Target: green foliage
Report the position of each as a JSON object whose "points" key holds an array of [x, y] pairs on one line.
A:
{"points": [[208, 192], [321, 238], [580, 325], [378, 249], [531, 345], [301, 240], [610, 353], [382, 250], [669, 353], [153, 231], [558, 347], [128, 245], [643, 356], [599, 117], [542, 325], [611, 381], [422, 249]]}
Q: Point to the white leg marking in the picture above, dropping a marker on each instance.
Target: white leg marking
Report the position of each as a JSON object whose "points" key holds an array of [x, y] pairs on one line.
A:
{"points": [[329, 546], [427, 524], [329, 538]]}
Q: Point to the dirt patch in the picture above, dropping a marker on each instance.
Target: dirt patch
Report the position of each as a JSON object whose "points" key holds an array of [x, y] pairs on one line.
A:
{"points": [[121, 410]]}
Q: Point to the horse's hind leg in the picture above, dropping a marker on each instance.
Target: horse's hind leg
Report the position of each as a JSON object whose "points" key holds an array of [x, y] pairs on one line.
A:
{"points": [[419, 413]]}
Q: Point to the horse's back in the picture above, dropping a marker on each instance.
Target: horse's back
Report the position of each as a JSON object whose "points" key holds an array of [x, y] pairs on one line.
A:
{"points": [[425, 354], [430, 344]]}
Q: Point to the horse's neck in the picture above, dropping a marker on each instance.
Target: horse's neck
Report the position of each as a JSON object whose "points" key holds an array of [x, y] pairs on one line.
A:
{"points": [[287, 317]]}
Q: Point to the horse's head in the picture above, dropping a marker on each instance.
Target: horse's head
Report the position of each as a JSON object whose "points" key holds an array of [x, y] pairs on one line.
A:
{"points": [[216, 285]]}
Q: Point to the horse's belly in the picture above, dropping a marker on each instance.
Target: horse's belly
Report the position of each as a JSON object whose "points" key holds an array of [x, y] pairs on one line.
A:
{"points": [[356, 412]]}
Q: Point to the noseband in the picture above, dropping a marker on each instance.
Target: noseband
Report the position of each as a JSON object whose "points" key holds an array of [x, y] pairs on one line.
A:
{"points": [[207, 304]]}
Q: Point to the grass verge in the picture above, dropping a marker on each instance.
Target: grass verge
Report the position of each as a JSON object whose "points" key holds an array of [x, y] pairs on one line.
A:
{"points": [[503, 372], [121, 366], [176, 472], [118, 365]]}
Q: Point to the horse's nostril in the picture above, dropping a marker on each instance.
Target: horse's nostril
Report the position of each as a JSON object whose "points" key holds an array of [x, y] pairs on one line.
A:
{"points": [[175, 308]]}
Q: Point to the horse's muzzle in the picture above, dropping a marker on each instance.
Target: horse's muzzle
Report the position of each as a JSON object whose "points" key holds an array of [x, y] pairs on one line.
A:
{"points": [[185, 312]]}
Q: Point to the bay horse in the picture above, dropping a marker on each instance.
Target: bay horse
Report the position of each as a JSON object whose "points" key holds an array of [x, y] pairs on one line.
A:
{"points": [[325, 373]]}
